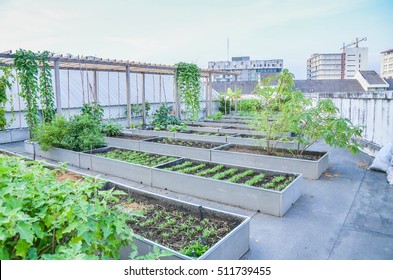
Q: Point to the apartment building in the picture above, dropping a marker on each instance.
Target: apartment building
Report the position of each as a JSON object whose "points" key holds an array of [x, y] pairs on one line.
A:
{"points": [[250, 70], [387, 64]]}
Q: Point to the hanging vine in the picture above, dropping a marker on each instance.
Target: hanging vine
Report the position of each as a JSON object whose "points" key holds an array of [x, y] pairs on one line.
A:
{"points": [[25, 62], [46, 88], [188, 83], [6, 81]]}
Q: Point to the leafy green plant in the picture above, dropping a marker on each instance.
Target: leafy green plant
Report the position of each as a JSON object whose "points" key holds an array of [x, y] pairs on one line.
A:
{"points": [[80, 133], [136, 109], [25, 62], [255, 180], [195, 250], [217, 116], [162, 118], [287, 110], [42, 218], [179, 166], [237, 177], [135, 157], [224, 174], [192, 168], [210, 170], [94, 110], [188, 83], [6, 81], [112, 129], [46, 88], [249, 105]]}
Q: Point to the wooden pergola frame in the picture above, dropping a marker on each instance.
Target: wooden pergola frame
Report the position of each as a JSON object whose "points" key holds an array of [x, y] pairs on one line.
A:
{"points": [[91, 63]]}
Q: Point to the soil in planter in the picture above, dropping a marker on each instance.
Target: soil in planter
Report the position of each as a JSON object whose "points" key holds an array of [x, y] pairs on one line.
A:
{"points": [[176, 228], [207, 133], [187, 143], [279, 152], [135, 157], [237, 127], [132, 137], [233, 175]]}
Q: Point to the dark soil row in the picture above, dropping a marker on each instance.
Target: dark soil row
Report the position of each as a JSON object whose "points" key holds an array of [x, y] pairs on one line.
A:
{"points": [[234, 175]]}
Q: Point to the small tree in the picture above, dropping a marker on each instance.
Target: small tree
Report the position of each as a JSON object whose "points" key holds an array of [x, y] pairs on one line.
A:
{"points": [[285, 110]]}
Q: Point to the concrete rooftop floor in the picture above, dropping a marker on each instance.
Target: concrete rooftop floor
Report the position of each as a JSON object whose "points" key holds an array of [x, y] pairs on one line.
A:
{"points": [[346, 214]]}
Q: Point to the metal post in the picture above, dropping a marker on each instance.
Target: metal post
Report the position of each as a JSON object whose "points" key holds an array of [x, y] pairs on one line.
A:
{"points": [[235, 94], [143, 98], [207, 95], [209, 92], [95, 92], [177, 97], [128, 95], [57, 87]]}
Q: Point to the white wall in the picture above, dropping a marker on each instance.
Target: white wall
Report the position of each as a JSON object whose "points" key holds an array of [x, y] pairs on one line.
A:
{"points": [[372, 110]]}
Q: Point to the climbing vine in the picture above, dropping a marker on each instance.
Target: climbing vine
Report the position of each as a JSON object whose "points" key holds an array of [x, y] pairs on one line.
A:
{"points": [[25, 62], [188, 83], [46, 89], [6, 81]]}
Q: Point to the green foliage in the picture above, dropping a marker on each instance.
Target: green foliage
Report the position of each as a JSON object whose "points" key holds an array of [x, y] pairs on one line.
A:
{"points": [[217, 116], [46, 88], [137, 157], [224, 105], [237, 177], [173, 128], [287, 110], [80, 133], [136, 109], [42, 218], [6, 81], [249, 105], [321, 121], [112, 129], [195, 250], [224, 174], [94, 110], [210, 170], [162, 118], [25, 62], [188, 82], [192, 168], [51, 135], [256, 179]]}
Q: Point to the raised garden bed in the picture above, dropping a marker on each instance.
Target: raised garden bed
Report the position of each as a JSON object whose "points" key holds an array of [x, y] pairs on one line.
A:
{"points": [[150, 132], [178, 147], [181, 230], [259, 190], [258, 140], [14, 135], [204, 128], [127, 164], [126, 140], [311, 165], [202, 136]]}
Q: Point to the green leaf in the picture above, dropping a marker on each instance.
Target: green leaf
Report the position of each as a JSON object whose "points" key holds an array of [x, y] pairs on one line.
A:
{"points": [[22, 248], [25, 231]]}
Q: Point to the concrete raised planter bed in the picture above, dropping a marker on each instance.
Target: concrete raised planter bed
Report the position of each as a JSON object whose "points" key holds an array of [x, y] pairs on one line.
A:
{"points": [[152, 133], [209, 124], [202, 137], [56, 154], [258, 199], [204, 128], [311, 169], [230, 247], [14, 135], [239, 140], [152, 146], [126, 143], [122, 169], [227, 121]]}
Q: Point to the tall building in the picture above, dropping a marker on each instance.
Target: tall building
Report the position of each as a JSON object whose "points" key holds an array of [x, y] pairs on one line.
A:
{"points": [[387, 64], [250, 70], [337, 65], [324, 66]]}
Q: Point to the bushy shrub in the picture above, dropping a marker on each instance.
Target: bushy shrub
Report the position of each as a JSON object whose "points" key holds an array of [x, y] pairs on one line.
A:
{"points": [[162, 118], [80, 133], [112, 129]]}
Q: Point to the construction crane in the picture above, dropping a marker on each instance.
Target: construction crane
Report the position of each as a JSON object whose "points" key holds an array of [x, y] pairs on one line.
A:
{"points": [[356, 43]]}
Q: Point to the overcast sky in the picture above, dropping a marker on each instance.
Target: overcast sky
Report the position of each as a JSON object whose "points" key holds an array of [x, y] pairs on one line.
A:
{"points": [[170, 31]]}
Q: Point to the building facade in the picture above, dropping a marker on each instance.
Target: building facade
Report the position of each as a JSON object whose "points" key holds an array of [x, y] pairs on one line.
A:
{"points": [[337, 65], [387, 64], [250, 70], [324, 66]]}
